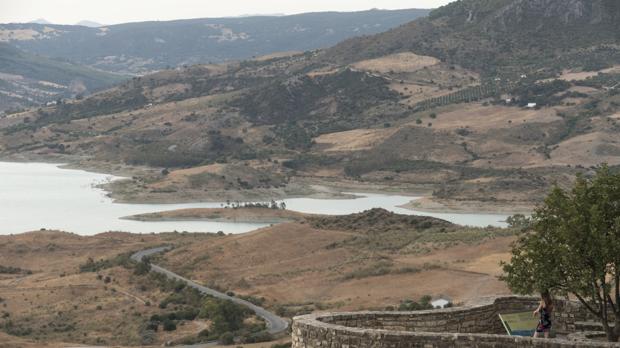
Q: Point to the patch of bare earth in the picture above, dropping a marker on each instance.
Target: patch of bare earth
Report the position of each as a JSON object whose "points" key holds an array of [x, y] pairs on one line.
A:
{"points": [[400, 62], [588, 150], [478, 117], [432, 204], [569, 75], [354, 140]]}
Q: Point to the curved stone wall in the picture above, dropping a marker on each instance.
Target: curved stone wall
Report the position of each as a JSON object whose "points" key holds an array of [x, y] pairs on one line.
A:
{"points": [[468, 326]]}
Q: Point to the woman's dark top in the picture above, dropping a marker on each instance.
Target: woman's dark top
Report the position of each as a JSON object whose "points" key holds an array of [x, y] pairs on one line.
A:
{"points": [[545, 320]]}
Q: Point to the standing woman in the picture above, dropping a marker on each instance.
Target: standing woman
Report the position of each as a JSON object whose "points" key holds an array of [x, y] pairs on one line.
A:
{"points": [[544, 310]]}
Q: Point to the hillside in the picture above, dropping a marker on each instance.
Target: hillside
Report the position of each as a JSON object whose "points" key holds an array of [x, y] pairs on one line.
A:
{"points": [[59, 289], [62, 288], [330, 263], [27, 79], [414, 109], [501, 36], [146, 46]]}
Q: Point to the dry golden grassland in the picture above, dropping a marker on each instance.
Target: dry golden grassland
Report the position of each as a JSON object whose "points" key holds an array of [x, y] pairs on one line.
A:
{"points": [[59, 303]]}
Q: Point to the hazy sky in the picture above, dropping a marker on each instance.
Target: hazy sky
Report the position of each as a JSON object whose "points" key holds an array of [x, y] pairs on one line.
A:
{"points": [[121, 11]]}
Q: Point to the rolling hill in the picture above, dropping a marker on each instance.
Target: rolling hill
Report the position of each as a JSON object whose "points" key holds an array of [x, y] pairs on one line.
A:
{"points": [[147, 46], [457, 104], [27, 79], [496, 36]]}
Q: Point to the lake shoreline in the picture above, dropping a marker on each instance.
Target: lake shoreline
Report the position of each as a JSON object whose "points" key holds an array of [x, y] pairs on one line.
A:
{"points": [[434, 205], [77, 200], [299, 187]]}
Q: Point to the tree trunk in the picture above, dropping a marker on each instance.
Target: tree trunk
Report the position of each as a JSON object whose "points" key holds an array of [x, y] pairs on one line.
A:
{"points": [[609, 331], [612, 332], [612, 335]]}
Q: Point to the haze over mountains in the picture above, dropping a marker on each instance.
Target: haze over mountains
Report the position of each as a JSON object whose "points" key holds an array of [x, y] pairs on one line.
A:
{"points": [[91, 24], [85, 23], [147, 46], [138, 48]]}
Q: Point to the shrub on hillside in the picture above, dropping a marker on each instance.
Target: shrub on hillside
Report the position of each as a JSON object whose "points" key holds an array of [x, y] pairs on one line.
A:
{"points": [[169, 325], [226, 338], [423, 303]]}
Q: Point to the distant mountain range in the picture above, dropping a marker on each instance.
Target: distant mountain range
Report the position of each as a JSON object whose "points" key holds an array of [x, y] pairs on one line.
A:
{"points": [[90, 24], [40, 21], [27, 79], [137, 48], [82, 23], [41, 62]]}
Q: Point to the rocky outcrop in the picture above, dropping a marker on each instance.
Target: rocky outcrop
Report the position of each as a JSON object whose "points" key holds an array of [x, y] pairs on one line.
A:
{"points": [[553, 12]]}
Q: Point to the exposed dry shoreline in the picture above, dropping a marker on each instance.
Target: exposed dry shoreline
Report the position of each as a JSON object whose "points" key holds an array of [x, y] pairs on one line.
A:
{"points": [[308, 187], [434, 205]]}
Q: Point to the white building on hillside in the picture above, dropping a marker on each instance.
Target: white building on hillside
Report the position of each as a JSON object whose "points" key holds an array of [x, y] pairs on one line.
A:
{"points": [[440, 303]]}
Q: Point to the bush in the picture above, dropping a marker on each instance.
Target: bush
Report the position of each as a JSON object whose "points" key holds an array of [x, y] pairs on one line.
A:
{"points": [[169, 325], [519, 221], [13, 270], [96, 266], [375, 270], [422, 304], [226, 339], [204, 333], [159, 155], [262, 336], [143, 267], [226, 315], [259, 301], [282, 345], [16, 330], [152, 326], [544, 93]]}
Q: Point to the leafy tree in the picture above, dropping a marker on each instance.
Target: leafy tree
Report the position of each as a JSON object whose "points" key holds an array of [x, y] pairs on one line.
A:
{"points": [[519, 221], [143, 267], [573, 247], [422, 304], [225, 315]]}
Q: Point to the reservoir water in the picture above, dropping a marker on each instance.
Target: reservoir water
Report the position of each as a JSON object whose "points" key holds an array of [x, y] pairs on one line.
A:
{"points": [[42, 195]]}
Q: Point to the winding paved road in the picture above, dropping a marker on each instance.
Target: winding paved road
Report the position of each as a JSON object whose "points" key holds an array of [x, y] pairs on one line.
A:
{"points": [[275, 324]]}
